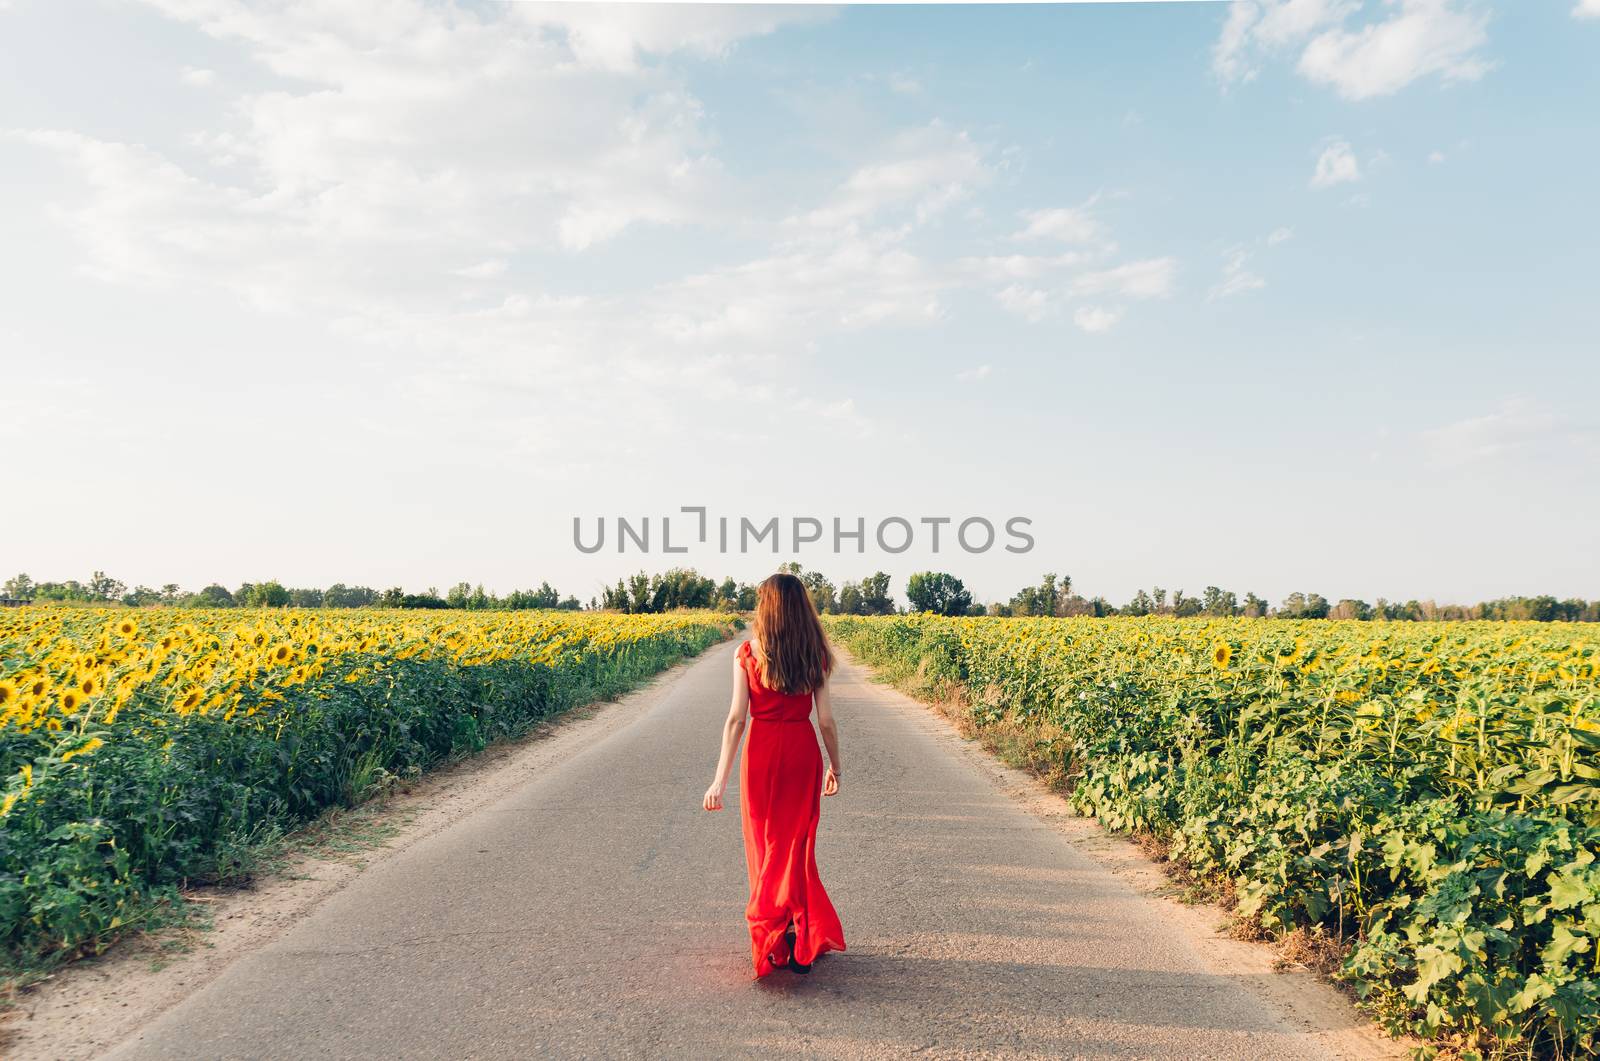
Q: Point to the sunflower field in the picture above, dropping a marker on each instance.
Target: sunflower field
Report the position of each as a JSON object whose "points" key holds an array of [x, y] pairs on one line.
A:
{"points": [[1427, 793], [141, 749]]}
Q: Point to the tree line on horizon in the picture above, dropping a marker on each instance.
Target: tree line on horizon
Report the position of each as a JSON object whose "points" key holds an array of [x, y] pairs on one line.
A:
{"points": [[102, 589], [926, 591]]}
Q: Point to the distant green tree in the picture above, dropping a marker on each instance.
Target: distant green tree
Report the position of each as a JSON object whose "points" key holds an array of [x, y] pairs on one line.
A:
{"points": [[543, 597], [821, 591], [640, 599], [141, 597], [269, 594], [339, 595], [937, 592], [681, 588], [1304, 606], [102, 587], [213, 596], [1099, 607], [875, 596], [430, 600], [1350, 608], [1218, 602]]}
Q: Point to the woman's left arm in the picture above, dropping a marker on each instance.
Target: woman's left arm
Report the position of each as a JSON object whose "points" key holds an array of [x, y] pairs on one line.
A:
{"points": [[732, 730], [830, 736]]}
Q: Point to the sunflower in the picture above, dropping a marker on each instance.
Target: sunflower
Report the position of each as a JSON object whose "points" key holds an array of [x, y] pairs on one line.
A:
{"points": [[86, 748], [8, 694], [190, 701], [127, 628], [70, 701], [88, 686], [1222, 655]]}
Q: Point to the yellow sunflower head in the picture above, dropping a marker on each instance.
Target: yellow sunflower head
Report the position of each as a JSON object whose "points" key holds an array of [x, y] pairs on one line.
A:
{"points": [[88, 685], [88, 748], [127, 628], [70, 701], [8, 694], [1222, 655]]}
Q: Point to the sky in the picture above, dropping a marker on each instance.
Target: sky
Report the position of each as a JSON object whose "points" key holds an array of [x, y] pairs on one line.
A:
{"points": [[1273, 295]]}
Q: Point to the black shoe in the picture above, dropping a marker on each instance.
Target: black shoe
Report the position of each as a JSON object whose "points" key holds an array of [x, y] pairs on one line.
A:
{"points": [[795, 965]]}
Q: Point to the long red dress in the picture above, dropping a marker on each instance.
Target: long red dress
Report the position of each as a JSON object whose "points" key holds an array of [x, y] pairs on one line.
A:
{"points": [[780, 802]]}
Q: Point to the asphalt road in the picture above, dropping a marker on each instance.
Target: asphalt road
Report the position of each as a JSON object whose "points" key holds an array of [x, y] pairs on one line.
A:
{"points": [[597, 911]]}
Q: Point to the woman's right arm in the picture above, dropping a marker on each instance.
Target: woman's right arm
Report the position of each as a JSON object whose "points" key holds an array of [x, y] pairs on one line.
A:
{"points": [[732, 730]]}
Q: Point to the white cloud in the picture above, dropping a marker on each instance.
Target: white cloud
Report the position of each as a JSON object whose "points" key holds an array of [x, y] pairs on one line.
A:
{"points": [[1066, 224], [1587, 9], [972, 375], [1264, 26], [1408, 40], [1280, 235], [1096, 319], [1000, 268], [456, 124], [197, 77], [1336, 165], [923, 171], [1435, 157], [1236, 276], [1427, 37], [1146, 279], [807, 287], [1029, 303], [1518, 428], [1151, 278], [484, 270], [450, 142]]}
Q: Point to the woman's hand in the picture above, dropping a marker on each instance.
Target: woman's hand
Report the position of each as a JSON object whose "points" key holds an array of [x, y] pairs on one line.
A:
{"points": [[713, 800], [830, 783]]}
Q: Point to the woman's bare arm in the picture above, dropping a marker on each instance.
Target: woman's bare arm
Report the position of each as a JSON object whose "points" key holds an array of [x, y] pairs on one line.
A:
{"points": [[830, 737], [732, 730]]}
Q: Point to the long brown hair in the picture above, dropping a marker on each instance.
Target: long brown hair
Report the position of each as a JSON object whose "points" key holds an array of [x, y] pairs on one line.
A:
{"points": [[795, 656]]}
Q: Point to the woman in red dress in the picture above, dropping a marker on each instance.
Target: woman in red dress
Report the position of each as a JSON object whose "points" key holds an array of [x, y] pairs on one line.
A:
{"points": [[776, 678]]}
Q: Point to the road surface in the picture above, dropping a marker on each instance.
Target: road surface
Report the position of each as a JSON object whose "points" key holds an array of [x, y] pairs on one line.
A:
{"points": [[597, 911]]}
